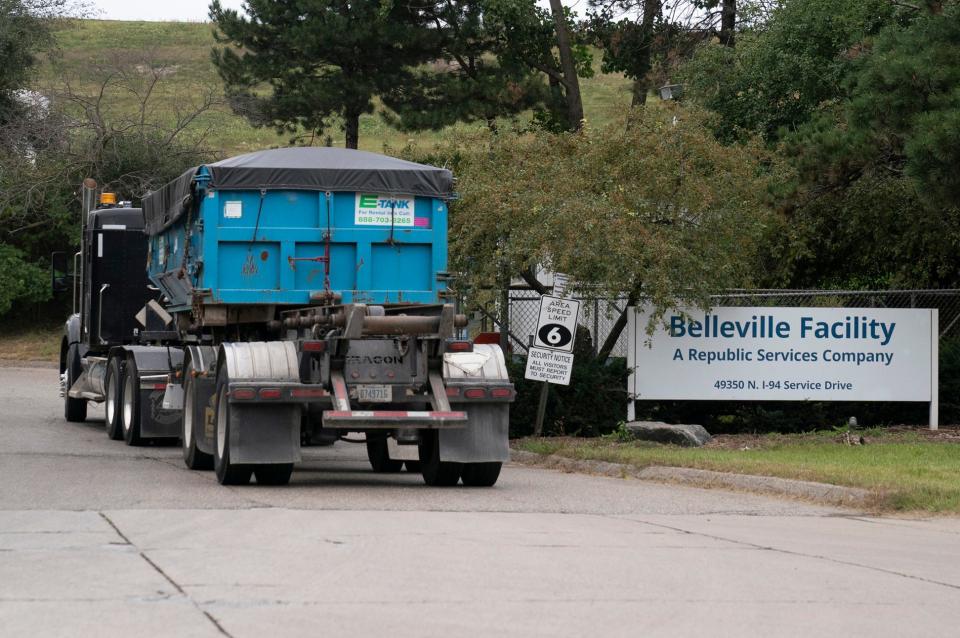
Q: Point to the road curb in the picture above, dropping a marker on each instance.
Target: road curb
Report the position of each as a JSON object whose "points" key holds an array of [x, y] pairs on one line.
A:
{"points": [[823, 493]]}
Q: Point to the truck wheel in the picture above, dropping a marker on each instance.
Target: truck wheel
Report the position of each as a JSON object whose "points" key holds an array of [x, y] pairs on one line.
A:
{"points": [[379, 457], [481, 474], [412, 466], [130, 402], [436, 472], [74, 410], [194, 458], [113, 400], [227, 473], [273, 474]]}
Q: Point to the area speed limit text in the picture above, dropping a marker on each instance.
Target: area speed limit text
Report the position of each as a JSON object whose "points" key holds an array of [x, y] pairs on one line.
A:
{"points": [[557, 323]]}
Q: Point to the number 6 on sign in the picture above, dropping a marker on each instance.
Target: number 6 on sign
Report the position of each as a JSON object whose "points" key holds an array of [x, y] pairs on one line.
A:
{"points": [[557, 323]]}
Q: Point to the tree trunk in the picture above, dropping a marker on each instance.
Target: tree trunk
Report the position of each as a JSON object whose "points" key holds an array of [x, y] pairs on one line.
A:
{"points": [[611, 341], [639, 92], [351, 127], [728, 22], [571, 83]]}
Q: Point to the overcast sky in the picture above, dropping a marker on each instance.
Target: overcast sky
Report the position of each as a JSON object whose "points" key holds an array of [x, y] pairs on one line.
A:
{"points": [[184, 10]]}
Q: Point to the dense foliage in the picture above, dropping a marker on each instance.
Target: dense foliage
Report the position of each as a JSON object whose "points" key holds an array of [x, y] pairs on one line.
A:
{"points": [[654, 202]]}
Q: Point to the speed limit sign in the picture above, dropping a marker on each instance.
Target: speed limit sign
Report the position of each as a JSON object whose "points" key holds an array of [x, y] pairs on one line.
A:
{"points": [[557, 323]]}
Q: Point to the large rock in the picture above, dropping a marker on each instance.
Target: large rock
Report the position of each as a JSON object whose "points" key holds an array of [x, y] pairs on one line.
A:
{"points": [[687, 435]]}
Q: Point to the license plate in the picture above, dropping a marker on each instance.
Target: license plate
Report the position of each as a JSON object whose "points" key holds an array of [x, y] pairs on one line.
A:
{"points": [[375, 393]]}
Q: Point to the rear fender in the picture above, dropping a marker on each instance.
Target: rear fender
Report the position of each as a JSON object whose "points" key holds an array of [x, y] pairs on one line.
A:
{"points": [[263, 433], [486, 437]]}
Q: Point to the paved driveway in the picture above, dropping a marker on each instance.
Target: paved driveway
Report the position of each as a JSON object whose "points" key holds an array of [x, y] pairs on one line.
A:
{"points": [[97, 538]]}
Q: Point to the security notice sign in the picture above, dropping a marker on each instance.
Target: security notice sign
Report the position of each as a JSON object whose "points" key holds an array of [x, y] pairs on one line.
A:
{"points": [[787, 354], [549, 365], [557, 323]]}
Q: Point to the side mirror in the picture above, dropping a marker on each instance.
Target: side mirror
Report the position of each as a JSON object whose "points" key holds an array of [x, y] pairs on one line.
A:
{"points": [[59, 273]]}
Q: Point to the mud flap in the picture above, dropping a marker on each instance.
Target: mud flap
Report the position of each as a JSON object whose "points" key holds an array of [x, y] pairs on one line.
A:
{"points": [[155, 422], [485, 439], [264, 433]]}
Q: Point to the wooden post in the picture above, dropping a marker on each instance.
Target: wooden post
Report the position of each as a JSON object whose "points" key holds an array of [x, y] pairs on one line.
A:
{"points": [[541, 409]]}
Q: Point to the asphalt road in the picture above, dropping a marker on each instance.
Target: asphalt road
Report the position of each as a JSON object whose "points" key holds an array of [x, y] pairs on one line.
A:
{"points": [[100, 539]]}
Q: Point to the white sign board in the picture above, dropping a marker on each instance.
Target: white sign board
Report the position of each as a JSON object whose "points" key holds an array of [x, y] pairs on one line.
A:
{"points": [[560, 282], [549, 365], [383, 210], [786, 354], [557, 323]]}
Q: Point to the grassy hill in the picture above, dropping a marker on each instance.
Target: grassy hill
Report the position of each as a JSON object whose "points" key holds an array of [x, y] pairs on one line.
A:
{"points": [[88, 47]]}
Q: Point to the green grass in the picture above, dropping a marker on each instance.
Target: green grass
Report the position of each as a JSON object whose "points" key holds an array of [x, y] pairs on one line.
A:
{"points": [[184, 47], [906, 472]]}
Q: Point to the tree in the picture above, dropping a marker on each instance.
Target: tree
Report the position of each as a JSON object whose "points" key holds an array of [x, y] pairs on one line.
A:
{"points": [[474, 78], [657, 209], [295, 65], [25, 32], [129, 146], [778, 77]]}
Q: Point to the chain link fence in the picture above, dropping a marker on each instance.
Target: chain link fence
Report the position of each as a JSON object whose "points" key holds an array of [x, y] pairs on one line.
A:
{"points": [[598, 316]]}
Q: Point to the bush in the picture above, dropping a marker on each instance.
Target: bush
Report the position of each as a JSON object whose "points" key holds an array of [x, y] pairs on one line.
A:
{"points": [[20, 280], [593, 403]]}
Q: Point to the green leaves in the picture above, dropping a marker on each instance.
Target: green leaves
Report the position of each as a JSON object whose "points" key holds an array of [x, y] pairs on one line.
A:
{"points": [[20, 281], [654, 201]]}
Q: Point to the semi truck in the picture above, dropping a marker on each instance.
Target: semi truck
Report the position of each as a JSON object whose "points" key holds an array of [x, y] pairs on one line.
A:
{"points": [[278, 299]]}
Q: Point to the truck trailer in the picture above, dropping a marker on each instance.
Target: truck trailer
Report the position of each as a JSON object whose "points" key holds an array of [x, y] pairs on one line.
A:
{"points": [[283, 298]]}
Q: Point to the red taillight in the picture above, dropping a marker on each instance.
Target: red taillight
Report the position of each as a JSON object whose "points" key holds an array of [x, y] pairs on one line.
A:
{"points": [[475, 393], [314, 346], [308, 392], [243, 393], [159, 386], [453, 392], [501, 393], [270, 393], [459, 346]]}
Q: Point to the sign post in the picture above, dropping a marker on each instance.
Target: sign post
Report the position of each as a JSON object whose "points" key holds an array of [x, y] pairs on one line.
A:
{"points": [[550, 358]]}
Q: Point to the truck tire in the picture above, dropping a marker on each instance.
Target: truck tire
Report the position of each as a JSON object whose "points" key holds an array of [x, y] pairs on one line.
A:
{"points": [[379, 455], [273, 473], [74, 410], [130, 402], [412, 466], [227, 473], [193, 457], [480, 474], [113, 399], [436, 473]]}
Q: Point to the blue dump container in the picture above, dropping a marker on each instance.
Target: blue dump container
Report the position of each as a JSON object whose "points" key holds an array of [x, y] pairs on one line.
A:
{"points": [[298, 226]]}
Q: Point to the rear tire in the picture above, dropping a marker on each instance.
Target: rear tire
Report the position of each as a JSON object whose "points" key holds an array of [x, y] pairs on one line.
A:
{"points": [[273, 474], [130, 402], [193, 457], [435, 472], [74, 410], [480, 474], [227, 473], [379, 456], [113, 399], [412, 466]]}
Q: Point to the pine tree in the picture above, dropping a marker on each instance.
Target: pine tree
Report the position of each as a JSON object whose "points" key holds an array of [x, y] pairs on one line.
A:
{"points": [[297, 65]]}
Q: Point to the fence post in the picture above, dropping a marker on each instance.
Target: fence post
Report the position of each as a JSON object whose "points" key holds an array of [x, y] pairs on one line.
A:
{"points": [[596, 326], [505, 319]]}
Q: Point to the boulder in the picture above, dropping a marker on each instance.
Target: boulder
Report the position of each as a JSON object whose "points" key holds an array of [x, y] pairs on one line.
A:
{"points": [[687, 435]]}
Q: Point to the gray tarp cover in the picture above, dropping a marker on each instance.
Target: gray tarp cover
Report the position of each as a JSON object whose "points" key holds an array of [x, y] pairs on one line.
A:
{"points": [[305, 168]]}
